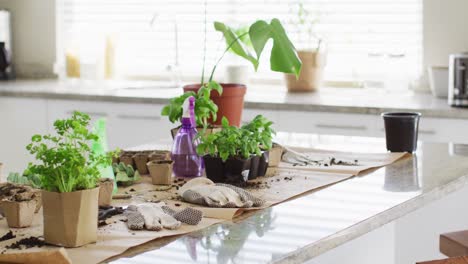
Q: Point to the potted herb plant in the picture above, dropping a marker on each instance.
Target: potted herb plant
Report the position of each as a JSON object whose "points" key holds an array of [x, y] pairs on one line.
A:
{"points": [[313, 56], [261, 130], [231, 155], [69, 174], [229, 97]]}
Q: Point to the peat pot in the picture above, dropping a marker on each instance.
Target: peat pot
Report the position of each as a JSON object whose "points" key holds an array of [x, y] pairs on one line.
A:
{"points": [[70, 219]]}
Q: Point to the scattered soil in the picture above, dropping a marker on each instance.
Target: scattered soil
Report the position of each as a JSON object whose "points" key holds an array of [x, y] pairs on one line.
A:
{"points": [[132, 190], [28, 242], [328, 163], [7, 236], [108, 212], [17, 193]]}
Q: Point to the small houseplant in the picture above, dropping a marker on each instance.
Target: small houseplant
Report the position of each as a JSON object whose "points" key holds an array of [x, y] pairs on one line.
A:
{"points": [[69, 174], [313, 56], [261, 130], [231, 155], [229, 97]]}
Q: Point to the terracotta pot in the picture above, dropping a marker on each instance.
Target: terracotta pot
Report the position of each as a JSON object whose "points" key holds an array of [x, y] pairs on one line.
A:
{"points": [[233, 171], [106, 187], [208, 131], [140, 160], [19, 214], [311, 76], [70, 219], [274, 156], [161, 171], [230, 103]]}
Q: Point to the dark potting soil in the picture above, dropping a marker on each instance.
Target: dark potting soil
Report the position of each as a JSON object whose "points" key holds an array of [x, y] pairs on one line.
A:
{"points": [[333, 161], [28, 242], [7, 236]]}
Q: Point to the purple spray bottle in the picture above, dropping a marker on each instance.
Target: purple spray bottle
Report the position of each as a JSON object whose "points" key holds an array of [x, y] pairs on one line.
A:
{"points": [[187, 163]]}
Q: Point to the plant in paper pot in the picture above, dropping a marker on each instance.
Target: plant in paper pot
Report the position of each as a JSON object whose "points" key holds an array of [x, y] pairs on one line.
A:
{"points": [[230, 155], [69, 174], [313, 56], [229, 97]]}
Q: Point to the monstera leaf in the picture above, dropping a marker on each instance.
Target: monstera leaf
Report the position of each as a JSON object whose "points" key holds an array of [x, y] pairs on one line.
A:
{"points": [[283, 56]]}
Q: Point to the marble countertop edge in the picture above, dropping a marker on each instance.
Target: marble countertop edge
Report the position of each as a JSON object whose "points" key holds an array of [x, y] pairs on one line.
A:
{"points": [[306, 253]]}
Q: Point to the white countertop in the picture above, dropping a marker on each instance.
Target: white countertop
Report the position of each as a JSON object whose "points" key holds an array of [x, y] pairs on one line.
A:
{"points": [[300, 229], [340, 100]]}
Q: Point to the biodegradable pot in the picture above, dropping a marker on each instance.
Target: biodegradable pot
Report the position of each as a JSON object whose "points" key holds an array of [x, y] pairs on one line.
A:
{"points": [[230, 103], [159, 155], [234, 170], [263, 163], [401, 131], [274, 155], [70, 219], [106, 187], [161, 171], [254, 161], [115, 160], [140, 160], [311, 75], [127, 159], [19, 214], [38, 199], [208, 131]]}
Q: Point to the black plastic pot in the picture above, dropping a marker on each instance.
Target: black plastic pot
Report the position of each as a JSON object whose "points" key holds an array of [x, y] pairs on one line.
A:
{"points": [[263, 163], [254, 161], [401, 131], [234, 171]]}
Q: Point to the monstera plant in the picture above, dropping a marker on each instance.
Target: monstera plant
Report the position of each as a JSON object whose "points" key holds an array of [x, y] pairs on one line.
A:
{"points": [[217, 100]]}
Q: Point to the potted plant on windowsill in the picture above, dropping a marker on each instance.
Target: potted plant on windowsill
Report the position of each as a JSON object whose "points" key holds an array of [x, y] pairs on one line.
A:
{"points": [[229, 98], [69, 174], [313, 55], [232, 155]]}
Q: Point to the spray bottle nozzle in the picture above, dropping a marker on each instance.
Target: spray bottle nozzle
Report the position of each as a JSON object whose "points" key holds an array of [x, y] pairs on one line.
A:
{"points": [[189, 110]]}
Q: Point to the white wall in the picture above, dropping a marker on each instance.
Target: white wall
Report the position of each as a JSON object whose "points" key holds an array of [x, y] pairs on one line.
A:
{"points": [[445, 30], [34, 31], [34, 24]]}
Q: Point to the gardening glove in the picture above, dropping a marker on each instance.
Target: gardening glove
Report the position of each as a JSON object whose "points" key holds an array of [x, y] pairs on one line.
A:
{"points": [[205, 192], [189, 216], [135, 220], [155, 218], [296, 158]]}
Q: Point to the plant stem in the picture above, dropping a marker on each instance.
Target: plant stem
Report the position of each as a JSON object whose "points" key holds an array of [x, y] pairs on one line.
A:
{"points": [[224, 53], [204, 50]]}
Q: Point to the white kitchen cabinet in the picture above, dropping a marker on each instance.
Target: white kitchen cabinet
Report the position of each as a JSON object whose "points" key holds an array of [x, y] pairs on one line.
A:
{"points": [[128, 124], [438, 130], [272, 115], [328, 123], [20, 119], [137, 124]]}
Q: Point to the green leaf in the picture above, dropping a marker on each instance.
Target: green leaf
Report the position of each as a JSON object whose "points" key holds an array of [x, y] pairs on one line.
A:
{"points": [[283, 54], [283, 57], [259, 33], [233, 41], [216, 86]]}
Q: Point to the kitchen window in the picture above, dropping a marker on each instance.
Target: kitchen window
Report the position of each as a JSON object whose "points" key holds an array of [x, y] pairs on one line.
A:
{"points": [[372, 43]]}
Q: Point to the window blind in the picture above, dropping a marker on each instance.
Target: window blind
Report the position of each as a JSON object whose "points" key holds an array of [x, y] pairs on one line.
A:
{"points": [[365, 40]]}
